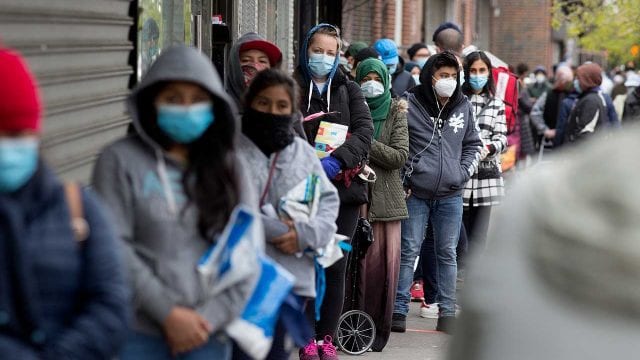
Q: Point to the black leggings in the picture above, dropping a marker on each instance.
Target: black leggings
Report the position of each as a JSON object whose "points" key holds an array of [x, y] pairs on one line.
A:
{"points": [[336, 274]]}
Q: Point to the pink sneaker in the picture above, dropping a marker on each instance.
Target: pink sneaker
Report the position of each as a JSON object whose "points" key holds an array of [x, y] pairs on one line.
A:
{"points": [[327, 350], [309, 352]]}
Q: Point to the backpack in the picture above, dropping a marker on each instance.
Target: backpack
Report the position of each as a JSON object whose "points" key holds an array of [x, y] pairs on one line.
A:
{"points": [[507, 90]]}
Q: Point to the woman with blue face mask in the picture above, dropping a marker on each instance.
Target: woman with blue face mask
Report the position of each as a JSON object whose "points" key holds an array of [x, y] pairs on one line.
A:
{"points": [[172, 186], [387, 206], [329, 96], [63, 293], [486, 187]]}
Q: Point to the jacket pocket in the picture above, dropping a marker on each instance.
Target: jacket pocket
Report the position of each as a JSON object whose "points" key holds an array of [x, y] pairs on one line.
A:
{"points": [[453, 177]]}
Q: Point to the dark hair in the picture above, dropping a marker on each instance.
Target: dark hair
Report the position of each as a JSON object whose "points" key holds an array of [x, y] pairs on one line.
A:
{"points": [[522, 69], [415, 48], [443, 59], [489, 88], [269, 78], [364, 54], [209, 179]]}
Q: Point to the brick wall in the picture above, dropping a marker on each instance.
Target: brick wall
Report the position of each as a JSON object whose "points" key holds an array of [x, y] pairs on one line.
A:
{"points": [[412, 24], [522, 32]]}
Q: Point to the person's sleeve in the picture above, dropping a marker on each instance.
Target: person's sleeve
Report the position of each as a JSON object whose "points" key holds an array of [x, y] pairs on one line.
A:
{"points": [[537, 114], [524, 102], [100, 326], [563, 118], [114, 186], [319, 230], [471, 146], [499, 132], [356, 148], [589, 116], [394, 155]]}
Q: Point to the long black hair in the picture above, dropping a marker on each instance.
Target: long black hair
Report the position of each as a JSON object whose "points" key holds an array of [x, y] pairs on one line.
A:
{"points": [[489, 88], [209, 178]]}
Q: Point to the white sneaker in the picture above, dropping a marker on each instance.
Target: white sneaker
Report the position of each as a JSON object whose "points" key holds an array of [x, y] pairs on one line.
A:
{"points": [[429, 311]]}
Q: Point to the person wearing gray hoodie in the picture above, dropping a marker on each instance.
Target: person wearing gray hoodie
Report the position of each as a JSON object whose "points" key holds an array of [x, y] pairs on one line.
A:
{"points": [[172, 186], [281, 162]]}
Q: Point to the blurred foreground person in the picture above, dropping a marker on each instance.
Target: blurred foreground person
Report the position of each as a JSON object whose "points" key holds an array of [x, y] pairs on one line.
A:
{"points": [[564, 267], [172, 187], [63, 293]]}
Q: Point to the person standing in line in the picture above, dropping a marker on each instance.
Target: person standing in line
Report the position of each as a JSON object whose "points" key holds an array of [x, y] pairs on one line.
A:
{"points": [[444, 150], [401, 79], [541, 84], [546, 110], [350, 54], [590, 111], [419, 53], [63, 293], [172, 186], [631, 113], [486, 187], [447, 37], [327, 91], [387, 206], [281, 162]]}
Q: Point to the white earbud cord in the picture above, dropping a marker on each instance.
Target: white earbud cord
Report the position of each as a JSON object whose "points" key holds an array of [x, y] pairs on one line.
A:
{"points": [[436, 123]]}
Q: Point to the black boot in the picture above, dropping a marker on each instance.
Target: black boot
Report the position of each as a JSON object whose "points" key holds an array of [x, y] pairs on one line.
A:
{"points": [[399, 323], [446, 324]]}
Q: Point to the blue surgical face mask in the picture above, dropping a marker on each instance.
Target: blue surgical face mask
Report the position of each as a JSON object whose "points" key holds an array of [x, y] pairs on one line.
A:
{"points": [[392, 68], [421, 61], [18, 162], [576, 86], [185, 124], [478, 82], [321, 65]]}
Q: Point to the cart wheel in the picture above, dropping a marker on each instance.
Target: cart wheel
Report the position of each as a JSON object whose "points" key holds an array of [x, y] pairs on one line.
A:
{"points": [[356, 332]]}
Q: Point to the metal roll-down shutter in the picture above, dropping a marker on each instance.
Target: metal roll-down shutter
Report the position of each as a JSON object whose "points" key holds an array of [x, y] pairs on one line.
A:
{"points": [[79, 51]]}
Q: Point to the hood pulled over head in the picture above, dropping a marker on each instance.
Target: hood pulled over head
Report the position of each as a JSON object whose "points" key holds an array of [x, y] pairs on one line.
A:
{"points": [[183, 64]]}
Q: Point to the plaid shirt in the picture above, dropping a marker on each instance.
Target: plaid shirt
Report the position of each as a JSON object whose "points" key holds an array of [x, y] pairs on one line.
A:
{"points": [[486, 186]]}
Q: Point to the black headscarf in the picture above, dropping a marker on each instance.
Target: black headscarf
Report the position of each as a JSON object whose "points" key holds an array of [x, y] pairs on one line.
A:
{"points": [[426, 94]]}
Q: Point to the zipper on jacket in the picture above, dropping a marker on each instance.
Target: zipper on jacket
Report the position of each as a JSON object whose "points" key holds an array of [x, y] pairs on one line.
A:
{"points": [[435, 192]]}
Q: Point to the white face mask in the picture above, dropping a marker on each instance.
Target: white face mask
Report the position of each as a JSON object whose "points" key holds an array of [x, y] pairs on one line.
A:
{"points": [[416, 78], [446, 87], [540, 78], [372, 88]]}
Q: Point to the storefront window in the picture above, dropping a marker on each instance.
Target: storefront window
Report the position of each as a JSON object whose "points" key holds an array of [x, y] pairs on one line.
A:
{"points": [[162, 23]]}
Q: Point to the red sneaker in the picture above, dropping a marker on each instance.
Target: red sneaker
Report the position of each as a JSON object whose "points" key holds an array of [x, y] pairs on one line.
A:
{"points": [[417, 292]]}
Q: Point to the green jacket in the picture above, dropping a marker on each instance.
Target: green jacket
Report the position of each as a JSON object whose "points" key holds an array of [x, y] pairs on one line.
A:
{"points": [[388, 155]]}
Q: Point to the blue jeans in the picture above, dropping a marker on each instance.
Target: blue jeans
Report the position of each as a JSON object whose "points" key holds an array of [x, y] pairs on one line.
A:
{"points": [[141, 346], [446, 218]]}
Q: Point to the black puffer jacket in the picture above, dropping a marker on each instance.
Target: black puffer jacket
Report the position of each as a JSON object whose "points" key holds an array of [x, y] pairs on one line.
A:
{"points": [[348, 107]]}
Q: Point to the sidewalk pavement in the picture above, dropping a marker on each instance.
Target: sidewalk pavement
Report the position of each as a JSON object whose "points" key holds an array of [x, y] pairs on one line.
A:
{"points": [[420, 342]]}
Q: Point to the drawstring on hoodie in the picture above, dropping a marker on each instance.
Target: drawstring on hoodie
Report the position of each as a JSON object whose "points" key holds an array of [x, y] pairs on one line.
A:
{"points": [[328, 95], [164, 179]]}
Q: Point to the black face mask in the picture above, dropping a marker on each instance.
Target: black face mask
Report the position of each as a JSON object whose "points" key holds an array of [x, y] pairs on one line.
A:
{"points": [[271, 133]]}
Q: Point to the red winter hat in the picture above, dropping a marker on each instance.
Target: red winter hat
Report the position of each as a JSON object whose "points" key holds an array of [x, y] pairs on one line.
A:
{"points": [[20, 106]]}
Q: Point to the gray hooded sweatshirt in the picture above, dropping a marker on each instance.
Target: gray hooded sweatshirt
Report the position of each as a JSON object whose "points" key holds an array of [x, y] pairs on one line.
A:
{"points": [[295, 163], [143, 187]]}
